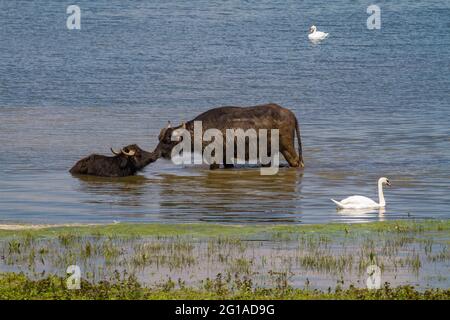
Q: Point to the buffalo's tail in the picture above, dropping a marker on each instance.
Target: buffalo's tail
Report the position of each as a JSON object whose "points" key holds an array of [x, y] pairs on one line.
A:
{"points": [[299, 140]]}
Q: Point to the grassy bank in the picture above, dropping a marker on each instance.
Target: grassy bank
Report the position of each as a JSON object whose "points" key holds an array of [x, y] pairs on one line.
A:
{"points": [[214, 230], [212, 261], [18, 286]]}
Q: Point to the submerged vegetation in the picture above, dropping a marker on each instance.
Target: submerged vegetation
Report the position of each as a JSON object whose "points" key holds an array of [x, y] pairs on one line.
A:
{"points": [[202, 261]]}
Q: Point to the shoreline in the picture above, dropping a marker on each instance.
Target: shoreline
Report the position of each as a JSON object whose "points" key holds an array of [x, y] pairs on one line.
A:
{"points": [[18, 226], [37, 226]]}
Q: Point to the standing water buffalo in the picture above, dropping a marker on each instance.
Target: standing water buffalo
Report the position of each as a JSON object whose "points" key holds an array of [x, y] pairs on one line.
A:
{"points": [[268, 116], [126, 162]]}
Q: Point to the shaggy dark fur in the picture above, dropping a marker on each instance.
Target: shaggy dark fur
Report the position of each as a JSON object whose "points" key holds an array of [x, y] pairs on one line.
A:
{"points": [[268, 116], [117, 166]]}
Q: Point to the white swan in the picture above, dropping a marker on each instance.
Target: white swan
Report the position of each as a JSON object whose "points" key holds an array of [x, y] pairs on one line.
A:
{"points": [[315, 35], [360, 202]]}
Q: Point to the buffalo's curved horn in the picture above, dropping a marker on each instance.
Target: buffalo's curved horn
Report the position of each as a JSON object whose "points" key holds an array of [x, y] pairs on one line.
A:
{"points": [[169, 125], [130, 153], [117, 153]]}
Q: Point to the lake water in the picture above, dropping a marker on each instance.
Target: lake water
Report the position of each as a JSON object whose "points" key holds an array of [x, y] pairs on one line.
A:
{"points": [[370, 103]]}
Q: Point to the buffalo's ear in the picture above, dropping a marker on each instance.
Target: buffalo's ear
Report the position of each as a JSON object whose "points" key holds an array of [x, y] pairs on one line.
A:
{"points": [[162, 133]]}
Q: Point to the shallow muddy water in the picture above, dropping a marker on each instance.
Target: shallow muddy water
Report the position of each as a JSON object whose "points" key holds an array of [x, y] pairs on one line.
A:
{"points": [[313, 260], [370, 104]]}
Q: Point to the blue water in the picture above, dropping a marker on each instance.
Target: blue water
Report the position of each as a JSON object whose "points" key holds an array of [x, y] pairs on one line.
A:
{"points": [[370, 103]]}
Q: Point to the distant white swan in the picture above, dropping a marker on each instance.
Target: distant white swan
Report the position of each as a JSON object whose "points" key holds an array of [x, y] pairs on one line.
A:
{"points": [[360, 202], [315, 35]]}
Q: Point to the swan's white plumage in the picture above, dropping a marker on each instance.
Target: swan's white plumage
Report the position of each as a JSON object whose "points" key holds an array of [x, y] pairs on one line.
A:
{"points": [[356, 202], [315, 35], [360, 202]]}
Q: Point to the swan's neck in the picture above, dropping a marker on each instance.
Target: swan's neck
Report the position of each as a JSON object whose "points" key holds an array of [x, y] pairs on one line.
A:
{"points": [[381, 195]]}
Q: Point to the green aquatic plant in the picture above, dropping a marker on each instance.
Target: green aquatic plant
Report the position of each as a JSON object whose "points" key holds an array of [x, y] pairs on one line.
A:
{"points": [[66, 238], [14, 246]]}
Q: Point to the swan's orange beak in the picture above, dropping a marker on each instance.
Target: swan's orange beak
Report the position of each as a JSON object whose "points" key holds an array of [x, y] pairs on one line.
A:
{"points": [[388, 183]]}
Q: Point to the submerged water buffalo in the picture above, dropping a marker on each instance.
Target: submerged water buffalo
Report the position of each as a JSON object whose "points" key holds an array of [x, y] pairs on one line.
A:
{"points": [[126, 162], [268, 116]]}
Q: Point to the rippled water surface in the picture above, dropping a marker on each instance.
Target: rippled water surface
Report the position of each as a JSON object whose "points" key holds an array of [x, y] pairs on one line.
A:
{"points": [[370, 104]]}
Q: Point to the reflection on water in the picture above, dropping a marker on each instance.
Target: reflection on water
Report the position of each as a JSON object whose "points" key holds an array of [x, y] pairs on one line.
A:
{"points": [[202, 195], [128, 191], [236, 194], [362, 214], [168, 193]]}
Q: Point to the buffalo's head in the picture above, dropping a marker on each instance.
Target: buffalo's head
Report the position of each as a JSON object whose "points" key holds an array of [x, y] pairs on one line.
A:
{"points": [[168, 139], [136, 156]]}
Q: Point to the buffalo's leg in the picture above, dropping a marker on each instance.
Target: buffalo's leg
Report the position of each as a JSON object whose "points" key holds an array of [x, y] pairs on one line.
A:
{"points": [[291, 156], [214, 166], [227, 163]]}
